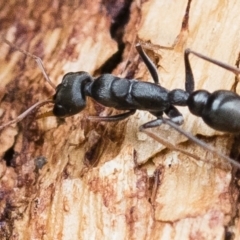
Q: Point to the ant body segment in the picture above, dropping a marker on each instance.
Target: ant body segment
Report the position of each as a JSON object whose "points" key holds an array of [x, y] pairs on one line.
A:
{"points": [[219, 110], [119, 93], [112, 91]]}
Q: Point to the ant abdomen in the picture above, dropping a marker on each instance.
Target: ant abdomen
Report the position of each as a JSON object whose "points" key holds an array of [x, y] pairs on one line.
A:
{"points": [[218, 109], [221, 111]]}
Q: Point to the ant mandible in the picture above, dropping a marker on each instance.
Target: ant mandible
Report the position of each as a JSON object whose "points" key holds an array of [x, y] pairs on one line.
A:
{"points": [[219, 110]]}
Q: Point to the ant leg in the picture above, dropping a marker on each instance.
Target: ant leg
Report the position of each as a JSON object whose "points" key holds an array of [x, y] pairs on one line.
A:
{"points": [[200, 143], [218, 63], [113, 118], [151, 67], [27, 112], [37, 59], [170, 145], [154, 123], [189, 79], [173, 113]]}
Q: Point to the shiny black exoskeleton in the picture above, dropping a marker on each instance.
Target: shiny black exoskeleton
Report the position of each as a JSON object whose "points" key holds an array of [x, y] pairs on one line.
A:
{"points": [[119, 93], [219, 110]]}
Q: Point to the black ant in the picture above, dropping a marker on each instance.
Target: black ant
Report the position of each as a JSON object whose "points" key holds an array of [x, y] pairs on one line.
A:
{"points": [[111, 91], [219, 109]]}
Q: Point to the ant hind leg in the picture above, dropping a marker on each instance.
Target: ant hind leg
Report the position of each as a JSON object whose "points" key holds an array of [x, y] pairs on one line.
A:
{"points": [[189, 79], [202, 144], [228, 67]]}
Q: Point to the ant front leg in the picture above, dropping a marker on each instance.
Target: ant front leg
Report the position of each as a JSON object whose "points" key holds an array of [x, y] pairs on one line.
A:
{"points": [[38, 104], [24, 114]]}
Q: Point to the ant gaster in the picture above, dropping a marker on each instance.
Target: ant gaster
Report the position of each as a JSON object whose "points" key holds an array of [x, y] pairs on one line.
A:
{"points": [[220, 110]]}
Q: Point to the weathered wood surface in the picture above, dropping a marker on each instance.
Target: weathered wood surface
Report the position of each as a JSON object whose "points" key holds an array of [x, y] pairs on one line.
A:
{"points": [[98, 180]]}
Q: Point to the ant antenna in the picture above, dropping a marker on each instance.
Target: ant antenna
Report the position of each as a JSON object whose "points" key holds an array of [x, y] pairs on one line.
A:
{"points": [[155, 47], [202, 144], [38, 104], [24, 114], [37, 59]]}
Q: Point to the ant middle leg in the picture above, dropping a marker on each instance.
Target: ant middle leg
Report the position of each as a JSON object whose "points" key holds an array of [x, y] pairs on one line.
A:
{"points": [[154, 123], [113, 118], [174, 115]]}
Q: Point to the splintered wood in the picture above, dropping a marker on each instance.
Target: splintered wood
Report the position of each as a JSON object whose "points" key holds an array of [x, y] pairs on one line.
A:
{"points": [[103, 180]]}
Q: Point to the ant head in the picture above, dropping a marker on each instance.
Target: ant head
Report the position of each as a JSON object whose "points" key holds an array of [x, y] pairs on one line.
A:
{"points": [[70, 96]]}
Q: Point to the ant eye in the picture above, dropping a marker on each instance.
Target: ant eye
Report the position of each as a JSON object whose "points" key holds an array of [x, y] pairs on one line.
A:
{"points": [[59, 111]]}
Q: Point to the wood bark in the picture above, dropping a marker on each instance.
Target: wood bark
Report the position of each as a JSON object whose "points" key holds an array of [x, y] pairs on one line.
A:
{"points": [[107, 180]]}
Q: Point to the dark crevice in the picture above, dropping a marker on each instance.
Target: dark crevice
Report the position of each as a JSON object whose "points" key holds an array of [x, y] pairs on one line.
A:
{"points": [[119, 11], [234, 154], [185, 25], [186, 16], [236, 80], [235, 150], [112, 62], [8, 156], [229, 235]]}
